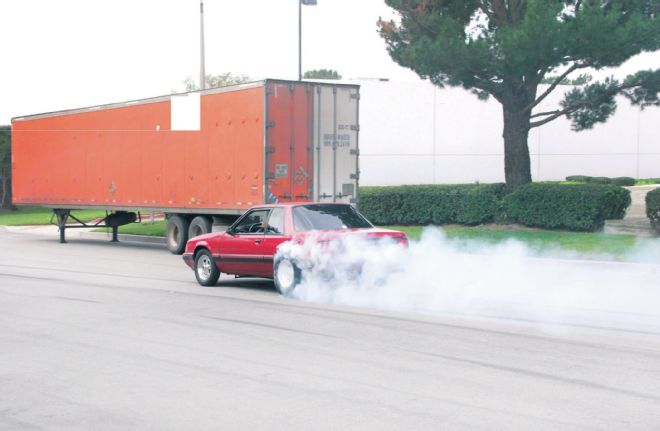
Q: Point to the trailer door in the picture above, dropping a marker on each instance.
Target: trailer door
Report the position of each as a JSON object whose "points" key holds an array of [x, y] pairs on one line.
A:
{"points": [[336, 127], [288, 142]]}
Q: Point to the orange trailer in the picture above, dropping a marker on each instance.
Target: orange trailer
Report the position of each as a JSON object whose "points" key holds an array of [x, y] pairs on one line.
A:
{"points": [[200, 157]]}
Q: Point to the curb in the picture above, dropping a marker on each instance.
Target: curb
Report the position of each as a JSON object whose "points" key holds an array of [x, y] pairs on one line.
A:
{"points": [[144, 239]]}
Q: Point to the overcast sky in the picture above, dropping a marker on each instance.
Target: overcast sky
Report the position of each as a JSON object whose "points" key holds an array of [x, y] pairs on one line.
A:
{"points": [[73, 53]]}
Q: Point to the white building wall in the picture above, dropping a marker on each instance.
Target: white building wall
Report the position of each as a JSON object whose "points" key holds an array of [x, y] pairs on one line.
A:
{"points": [[415, 133]]}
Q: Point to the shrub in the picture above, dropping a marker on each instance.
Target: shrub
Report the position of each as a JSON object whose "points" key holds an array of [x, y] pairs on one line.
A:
{"points": [[578, 178], [599, 180], [468, 204], [653, 208], [618, 181], [582, 207], [623, 181]]}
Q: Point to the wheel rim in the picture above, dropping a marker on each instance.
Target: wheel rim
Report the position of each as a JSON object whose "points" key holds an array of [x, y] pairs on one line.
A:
{"points": [[204, 267], [285, 274]]}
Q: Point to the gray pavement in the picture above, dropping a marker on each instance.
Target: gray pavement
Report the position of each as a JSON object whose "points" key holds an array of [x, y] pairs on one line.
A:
{"points": [[112, 337]]}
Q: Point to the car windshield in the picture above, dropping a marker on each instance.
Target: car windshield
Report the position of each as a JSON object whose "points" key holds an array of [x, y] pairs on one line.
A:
{"points": [[328, 217]]}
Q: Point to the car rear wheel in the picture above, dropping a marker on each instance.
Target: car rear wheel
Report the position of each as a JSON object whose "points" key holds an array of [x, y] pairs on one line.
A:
{"points": [[206, 271], [286, 275]]}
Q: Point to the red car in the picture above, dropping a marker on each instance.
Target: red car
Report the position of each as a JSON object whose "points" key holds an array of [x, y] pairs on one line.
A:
{"points": [[250, 246]]}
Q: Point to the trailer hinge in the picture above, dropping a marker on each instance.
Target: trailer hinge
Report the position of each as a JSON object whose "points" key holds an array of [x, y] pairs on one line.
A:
{"points": [[354, 152], [302, 196], [270, 123], [270, 150], [286, 196], [325, 196], [355, 96], [270, 176], [355, 128], [355, 176]]}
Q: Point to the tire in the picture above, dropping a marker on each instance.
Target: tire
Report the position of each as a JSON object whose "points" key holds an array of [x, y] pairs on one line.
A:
{"points": [[199, 226], [177, 234], [206, 271], [286, 275]]}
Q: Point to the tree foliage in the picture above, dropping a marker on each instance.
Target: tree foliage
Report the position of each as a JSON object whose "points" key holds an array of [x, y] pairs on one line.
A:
{"points": [[506, 48], [213, 81], [322, 74], [5, 166]]}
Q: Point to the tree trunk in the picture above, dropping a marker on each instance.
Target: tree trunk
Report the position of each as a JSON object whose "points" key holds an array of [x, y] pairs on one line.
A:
{"points": [[516, 152]]}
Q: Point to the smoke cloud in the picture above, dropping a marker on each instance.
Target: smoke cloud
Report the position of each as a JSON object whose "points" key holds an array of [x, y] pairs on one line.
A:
{"points": [[507, 281]]}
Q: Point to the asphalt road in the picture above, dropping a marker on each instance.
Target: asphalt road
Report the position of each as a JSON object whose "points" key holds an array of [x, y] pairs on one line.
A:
{"points": [[112, 337]]}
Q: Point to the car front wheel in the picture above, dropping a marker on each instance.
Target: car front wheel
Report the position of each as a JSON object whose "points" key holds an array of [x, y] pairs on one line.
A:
{"points": [[286, 275], [206, 271]]}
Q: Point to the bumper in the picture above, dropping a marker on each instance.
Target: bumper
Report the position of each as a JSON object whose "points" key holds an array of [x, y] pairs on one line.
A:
{"points": [[188, 259]]}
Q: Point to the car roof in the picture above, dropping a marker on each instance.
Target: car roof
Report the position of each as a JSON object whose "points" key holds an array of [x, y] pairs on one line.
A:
{"points": [[295, 204]]}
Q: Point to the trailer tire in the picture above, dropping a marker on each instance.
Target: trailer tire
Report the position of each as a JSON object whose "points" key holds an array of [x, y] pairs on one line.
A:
{"points": [[177, 234], [199, 226]]}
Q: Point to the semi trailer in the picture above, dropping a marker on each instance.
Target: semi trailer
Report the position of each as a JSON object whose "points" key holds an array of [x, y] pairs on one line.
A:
{"points": [[201, 158]]}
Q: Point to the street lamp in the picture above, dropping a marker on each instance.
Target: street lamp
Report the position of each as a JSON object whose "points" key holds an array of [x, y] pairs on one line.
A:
{"points": [[300, 3], [202, 68]]}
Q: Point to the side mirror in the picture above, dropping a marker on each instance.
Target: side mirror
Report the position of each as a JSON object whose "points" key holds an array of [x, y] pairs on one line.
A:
{"points": [[231, 231]]}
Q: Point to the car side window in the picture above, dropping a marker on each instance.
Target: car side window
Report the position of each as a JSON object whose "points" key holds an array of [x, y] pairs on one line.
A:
{"points": [[253, 222], [276, 222]]}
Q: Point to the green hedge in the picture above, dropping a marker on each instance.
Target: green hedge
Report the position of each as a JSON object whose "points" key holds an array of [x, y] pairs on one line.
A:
{"points": [[653, 208], [617, 181], [468, 204], [582, 207]]}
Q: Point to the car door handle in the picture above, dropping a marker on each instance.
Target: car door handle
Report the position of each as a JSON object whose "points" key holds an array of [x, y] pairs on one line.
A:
{"points": [[257, 241]]}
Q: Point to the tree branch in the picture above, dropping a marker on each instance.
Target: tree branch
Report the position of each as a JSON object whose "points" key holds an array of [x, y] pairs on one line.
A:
{"points": [[573, 68], [553, 115]]}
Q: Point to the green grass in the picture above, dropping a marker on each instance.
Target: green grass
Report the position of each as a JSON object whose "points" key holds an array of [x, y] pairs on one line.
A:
{"points": [[647, 181], [144, 228], [40, 216], [543, 241]]}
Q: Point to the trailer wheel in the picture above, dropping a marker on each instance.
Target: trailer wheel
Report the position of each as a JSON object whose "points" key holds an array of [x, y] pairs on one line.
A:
{"points": [[177, 233], [199, 226]]}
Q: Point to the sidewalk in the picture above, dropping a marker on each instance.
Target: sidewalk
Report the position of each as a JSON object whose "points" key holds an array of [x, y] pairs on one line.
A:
{"points": [[635, 222]]}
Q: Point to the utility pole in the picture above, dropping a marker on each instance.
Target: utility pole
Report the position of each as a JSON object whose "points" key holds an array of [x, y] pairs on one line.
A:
{"points": [[202, 69], [300, 3]]}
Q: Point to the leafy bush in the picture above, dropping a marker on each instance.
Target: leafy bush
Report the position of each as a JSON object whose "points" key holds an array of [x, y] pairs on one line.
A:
{"points": [[623, 181], [618, 181], [578, 178], [583, 207], [653, 208], [468, 204], [599, 180]]}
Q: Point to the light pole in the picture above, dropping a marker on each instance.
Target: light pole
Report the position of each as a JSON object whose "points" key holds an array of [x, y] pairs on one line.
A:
{"points": [[300, 3], [202, 68]]}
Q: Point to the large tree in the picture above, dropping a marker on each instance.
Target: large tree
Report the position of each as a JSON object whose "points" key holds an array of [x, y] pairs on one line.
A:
{"points": [[213, 81], [322, 74], [5, 167], [505, 49]]}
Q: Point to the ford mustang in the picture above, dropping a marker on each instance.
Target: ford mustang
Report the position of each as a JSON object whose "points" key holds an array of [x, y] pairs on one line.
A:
{"points": [[249, 248]]}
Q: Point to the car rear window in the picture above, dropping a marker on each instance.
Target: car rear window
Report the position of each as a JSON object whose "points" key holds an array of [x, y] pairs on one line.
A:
{"points": [[327, 217]]}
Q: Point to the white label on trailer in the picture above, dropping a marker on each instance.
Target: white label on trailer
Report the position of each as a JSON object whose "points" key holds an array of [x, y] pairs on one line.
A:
{"points": [[185, 112]]}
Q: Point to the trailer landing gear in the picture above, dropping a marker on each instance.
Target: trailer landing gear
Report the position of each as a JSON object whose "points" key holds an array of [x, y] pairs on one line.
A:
{"points": [[111, 220]]}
